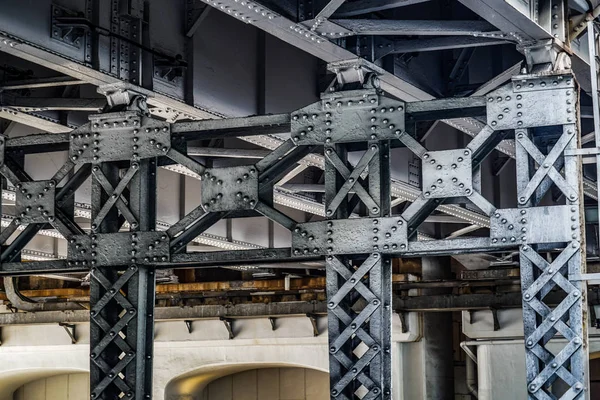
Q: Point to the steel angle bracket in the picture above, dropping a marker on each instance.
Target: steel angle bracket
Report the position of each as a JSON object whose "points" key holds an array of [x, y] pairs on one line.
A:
{"points": [[69, 27], [118, 249], [527, 102], [350, 116], [120, 136], [387, 235], [229, 189]]}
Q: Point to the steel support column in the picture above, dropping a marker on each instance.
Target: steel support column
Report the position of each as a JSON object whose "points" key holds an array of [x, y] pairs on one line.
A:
{"points": [[359, 341], [438, 334], [122, 297]]}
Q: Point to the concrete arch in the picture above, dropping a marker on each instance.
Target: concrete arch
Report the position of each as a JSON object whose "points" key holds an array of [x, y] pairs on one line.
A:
{"points": [[197, 380], [175, 360], [12, 380], [20, 365]]}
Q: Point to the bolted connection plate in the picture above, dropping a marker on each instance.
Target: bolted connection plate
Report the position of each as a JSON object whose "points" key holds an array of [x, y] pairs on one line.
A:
{"points": [[447, 173], [117, 249], [229, 189], [119, 136], [352, 116], [532, 102], [34, 202], [350, 236], [551, 224]]}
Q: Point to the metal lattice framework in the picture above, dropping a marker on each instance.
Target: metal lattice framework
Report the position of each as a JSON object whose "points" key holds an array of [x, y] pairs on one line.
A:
{"points": [[121, 150]]}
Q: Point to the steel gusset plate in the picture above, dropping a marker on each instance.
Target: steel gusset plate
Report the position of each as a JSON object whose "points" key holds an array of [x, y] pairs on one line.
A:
{"points": [[229, 189], [120, 136], [351, 116], [534, 225], [359, 316], [351, 236], [532, 101], [121, 248], [447, 173], [34, 203]]}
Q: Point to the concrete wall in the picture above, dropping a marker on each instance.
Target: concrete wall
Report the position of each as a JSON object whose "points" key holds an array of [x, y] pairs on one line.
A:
{"points": [[61, 387], [269, 384], [188, 362], [501, 354]]}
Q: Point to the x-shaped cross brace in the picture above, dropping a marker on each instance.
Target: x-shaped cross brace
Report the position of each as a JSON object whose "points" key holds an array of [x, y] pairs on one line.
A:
{"points": [[51, 214], [424, 205], [352, 179], [115, 196], [354, 326], [111, 333], [546, 164], [553, 320]]}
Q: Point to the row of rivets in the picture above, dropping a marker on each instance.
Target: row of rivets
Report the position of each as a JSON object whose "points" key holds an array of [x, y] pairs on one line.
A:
{"points": [[511, 227]]}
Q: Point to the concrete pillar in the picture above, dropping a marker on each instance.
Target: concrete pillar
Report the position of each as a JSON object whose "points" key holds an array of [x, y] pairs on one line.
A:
{"points": [[438, 355]]}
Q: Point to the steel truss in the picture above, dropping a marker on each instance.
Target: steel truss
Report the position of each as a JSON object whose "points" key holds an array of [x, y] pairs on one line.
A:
{"points": [[122, 247]]}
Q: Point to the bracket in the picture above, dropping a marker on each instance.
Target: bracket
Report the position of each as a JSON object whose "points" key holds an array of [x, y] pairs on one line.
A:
{"points": [[188, 324], [169, 70], [69, 27], [545, 55], [313, 322], [122, 248], [403, 321], [124, 96], [351, 236], [34, 202], [355, 70], [229, 189], [349, 116], [229, 326], [70, 329], [495, 317]]}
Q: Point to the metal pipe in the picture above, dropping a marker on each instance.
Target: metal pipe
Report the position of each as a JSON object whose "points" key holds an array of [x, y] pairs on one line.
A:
{"points": [[24, 304], [471, 370]]}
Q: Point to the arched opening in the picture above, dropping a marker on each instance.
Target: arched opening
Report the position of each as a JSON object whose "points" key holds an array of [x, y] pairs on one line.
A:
{"points": [[50, 385], [250, 382]]}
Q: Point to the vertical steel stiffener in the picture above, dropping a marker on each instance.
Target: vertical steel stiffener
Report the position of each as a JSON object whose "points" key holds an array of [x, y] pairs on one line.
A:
{"points": [[121, 150]]}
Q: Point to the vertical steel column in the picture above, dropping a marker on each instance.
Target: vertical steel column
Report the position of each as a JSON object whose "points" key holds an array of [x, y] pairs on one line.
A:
{"points": [[104, 315], [561, 275], [594, 54], [122, 298], [142, 286], [437, 335], [359, 341]]}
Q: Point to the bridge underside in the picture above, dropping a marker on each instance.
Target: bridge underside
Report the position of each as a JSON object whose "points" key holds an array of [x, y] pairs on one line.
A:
{"points": [[360, 159]]}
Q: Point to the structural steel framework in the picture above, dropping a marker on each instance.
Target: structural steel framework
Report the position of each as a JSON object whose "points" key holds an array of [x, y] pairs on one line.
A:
{"points": [[122, 147]]}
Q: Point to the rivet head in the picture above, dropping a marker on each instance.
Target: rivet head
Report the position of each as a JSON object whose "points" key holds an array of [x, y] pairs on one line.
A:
{"points": [[532, 387]]}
